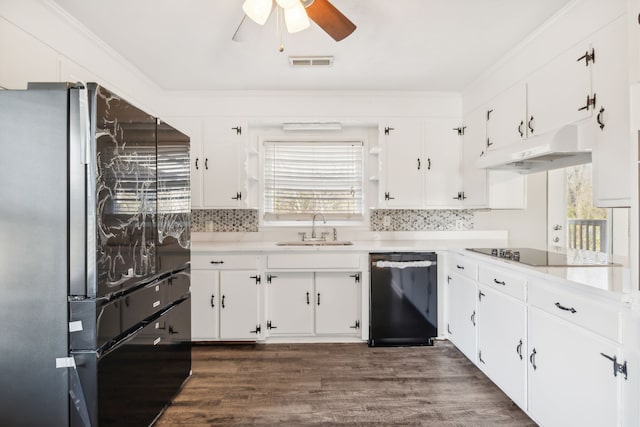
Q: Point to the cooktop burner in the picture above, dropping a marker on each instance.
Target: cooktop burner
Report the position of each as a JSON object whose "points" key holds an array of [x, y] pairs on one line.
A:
{"points": [[538, 258]]}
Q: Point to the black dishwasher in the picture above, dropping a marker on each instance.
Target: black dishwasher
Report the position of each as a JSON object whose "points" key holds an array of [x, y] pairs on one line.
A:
{"points": [[403, 300]]}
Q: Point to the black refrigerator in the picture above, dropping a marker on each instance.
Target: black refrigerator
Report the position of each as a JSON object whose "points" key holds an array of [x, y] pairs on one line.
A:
{"points": [[94, 259]]}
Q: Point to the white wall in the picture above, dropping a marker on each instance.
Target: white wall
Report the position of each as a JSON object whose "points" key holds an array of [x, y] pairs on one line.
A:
{"points": [[526, 227]]}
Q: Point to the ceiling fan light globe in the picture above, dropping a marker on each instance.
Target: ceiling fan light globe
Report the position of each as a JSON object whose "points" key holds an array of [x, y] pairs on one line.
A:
{"points": [[288, 4], [296, 19], [258, 10]]}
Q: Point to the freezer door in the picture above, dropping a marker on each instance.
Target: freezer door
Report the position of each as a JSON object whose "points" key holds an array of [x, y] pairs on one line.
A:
{"points": [[33, 256], [174, 199]]}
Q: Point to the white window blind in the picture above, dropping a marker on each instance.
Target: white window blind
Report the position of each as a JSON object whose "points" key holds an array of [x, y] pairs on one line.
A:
{"points": [[302, 178]]}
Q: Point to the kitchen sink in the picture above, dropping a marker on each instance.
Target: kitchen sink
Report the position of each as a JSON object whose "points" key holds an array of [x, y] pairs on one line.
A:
{"points": [[316, 243]]}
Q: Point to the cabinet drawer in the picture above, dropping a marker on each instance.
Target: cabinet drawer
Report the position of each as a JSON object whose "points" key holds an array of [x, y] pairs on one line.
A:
{"points": [[464, 266], [224, 262], [313, 261], [509, 283], [583, 311]]}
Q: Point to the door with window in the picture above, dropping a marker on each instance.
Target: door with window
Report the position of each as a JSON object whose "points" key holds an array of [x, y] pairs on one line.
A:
{"points": [[572, 220]]}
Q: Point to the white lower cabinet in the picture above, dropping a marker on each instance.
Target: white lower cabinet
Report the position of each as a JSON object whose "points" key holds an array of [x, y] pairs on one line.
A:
{"points": [[571, 382], [290, 303], [502, 349], [337, 303], [239, 305], [313, 303], [461, 325], [205, 303]]}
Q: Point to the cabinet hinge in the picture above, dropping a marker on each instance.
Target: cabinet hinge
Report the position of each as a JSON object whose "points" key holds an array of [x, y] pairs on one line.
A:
{"points": [[591, 103], [270, 325], [257, 330], [271, 276], [238, 196], [460, 130], [356, 277], [258, 279], [617, 367], [356, 325], [387, 130], [238, 130], [588, 57], [388, 197]]}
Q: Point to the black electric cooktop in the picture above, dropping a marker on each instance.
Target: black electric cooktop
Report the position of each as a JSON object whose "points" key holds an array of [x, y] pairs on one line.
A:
{"points": [[538, 258]]}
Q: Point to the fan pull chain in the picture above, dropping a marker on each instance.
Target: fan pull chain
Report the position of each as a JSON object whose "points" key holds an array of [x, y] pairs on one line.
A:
{"points": [[280, 25]]}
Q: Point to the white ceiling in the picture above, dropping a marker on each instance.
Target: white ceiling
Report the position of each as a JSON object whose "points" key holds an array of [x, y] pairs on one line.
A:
{"points": [[435, 45]]}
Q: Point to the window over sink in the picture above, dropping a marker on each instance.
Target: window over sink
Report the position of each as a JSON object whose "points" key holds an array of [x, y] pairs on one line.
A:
{"points": [[305, 177]]}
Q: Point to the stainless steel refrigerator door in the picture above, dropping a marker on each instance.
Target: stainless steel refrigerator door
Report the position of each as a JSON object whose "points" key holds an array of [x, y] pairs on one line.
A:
{"points": [[174, 199], [33, 257], [125, 139]]}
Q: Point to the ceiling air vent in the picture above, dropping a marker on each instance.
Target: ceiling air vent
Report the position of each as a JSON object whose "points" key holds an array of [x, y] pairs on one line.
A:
{"points": [[311, 61]]}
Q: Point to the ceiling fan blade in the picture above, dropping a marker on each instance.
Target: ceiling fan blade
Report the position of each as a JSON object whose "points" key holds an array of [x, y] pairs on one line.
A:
{"points": [[330, 19]]}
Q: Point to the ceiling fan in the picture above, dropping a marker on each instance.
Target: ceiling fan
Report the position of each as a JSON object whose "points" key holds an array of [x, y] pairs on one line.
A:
{"points": [[297, 14]]}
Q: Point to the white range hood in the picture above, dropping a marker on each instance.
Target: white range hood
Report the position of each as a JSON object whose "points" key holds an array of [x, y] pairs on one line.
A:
{"points": [[568, 146]]}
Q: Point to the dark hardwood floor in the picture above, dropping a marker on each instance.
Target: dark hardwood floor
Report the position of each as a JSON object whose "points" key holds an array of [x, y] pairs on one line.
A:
{"points": [[338, 384]]}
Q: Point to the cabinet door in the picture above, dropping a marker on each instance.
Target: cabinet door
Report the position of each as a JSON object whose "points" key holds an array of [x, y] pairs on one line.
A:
{"points": [[502, 349], [403, 164], [337, 303], [223, 149], [461, 307], [570, 382], [204, 305], [507, 117], [474, 180], [238, 305], [557, 93], [441, 163], [290, 303], [610, 156]]}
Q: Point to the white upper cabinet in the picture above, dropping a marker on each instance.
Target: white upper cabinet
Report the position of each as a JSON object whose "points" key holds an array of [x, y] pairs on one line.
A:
{"points": [[474, 180], [560, 92], [507, 117], [193, 129], [403, 151], [224, 152], [421, 164], [441, 162], [612, 150]]}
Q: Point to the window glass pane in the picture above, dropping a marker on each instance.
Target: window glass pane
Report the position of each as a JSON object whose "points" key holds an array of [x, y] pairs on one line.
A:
{"points": [[587, 224], [301, 178]]}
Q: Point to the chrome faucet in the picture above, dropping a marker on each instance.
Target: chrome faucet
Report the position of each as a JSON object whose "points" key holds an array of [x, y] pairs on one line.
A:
{"points": [[313, 223]]}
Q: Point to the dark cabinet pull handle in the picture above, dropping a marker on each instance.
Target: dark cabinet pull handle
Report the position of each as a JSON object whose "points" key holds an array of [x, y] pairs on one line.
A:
{"points": [[222, 301], [562, 307], [519, 349], [473, 318], [307, 298], [217, 262], [429, 163], [532, 359], [530, 124], [212, 297], [520, 131], [480, 295], [449, 330], [318, 298], [197, 167], [419, 165], [496, 281], [480, 357], [461, 267], [206, 163], [599, 118]]}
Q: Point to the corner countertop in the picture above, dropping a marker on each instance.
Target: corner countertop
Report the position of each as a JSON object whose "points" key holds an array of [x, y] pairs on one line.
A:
{"points": [[611, 281]]}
